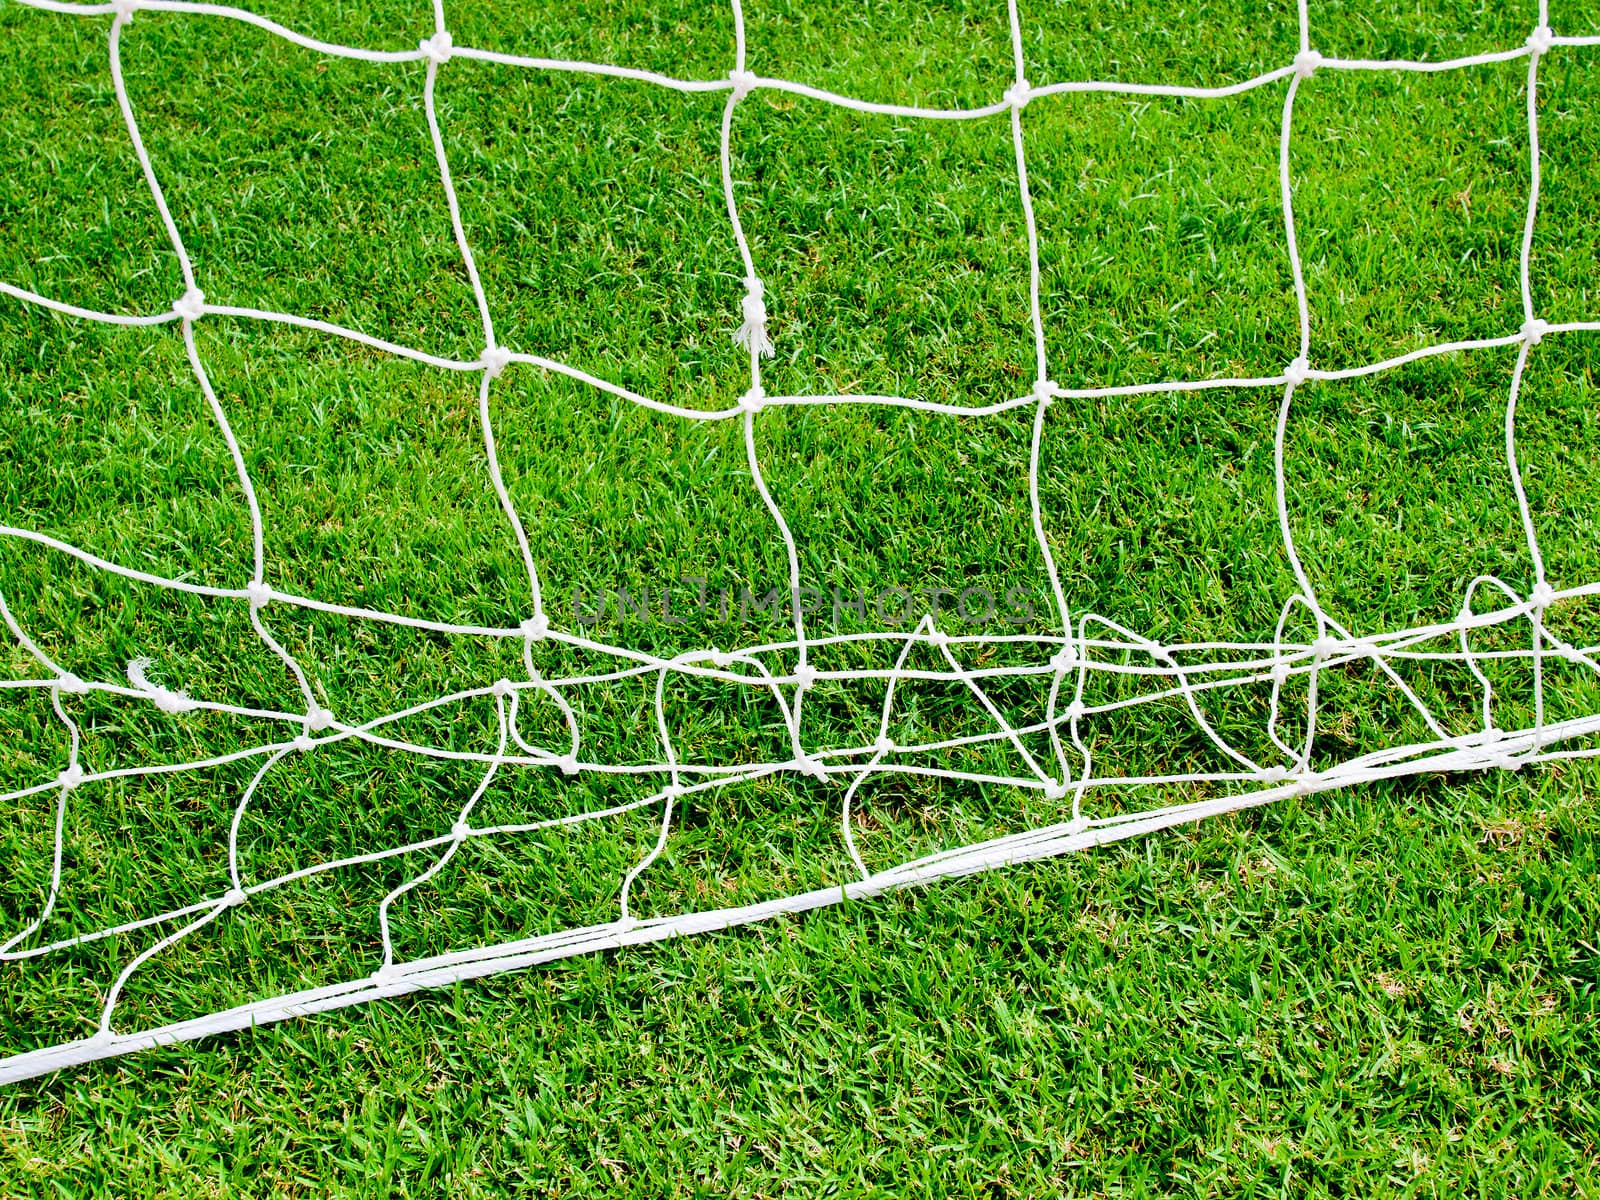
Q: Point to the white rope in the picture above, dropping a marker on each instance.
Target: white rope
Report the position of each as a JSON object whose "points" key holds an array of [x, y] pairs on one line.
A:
{"points": [[1082, 647]]}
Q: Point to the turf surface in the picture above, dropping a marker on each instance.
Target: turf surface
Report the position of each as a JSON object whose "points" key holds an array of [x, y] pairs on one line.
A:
{"points": [[1384, 991]]}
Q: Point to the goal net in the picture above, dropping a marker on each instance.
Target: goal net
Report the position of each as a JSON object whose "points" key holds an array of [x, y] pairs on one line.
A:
{"points": [[578, 745]]}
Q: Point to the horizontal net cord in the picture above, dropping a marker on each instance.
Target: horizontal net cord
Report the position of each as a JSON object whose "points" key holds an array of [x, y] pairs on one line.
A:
{"points": [[1071, 773], [1249, 670], [1054, 391], [756, 81], [650, 661]]}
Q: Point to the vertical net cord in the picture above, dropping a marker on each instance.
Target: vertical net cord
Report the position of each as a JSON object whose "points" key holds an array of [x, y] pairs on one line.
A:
{"points": [[1044, 391], [1299, 371], [189, 308], [1533, 332]]}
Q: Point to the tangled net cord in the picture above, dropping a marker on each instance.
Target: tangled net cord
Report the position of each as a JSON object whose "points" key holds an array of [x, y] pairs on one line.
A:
{"points": [[1070, 654]]}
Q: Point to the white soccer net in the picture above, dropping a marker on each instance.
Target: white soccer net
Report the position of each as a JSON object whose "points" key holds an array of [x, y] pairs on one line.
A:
{"points": [[783, 673]]}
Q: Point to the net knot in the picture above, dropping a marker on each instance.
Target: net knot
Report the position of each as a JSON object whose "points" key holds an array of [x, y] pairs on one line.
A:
{"points": [[125, 9], [1161, 654], [1297, 372], [1306, 62], [1077, 825], [1055, 789], [494, 359], [167, 700], [71, 777], [719, 659], [461, 831], [884, 744], [502, 687], [535, 627], [1324, 647], [754, 400], [1505, 762], [259, 592], [672, 791], [233, 897], [805, 676], [744, 82], [939, 638], [1305, 784], [753, 307], [1541, 39], [1274, 775], [1492, 735], [1533, 330], [71, 684], [568, 764], [810, 766], [1075, 711], [1574, 656], [1044, 390], [1542, 596], [1280, 673], [1019, 93], [191, 306], [437, 48], [754, 303], [319, 719], [1064, 659], [303, 742]]}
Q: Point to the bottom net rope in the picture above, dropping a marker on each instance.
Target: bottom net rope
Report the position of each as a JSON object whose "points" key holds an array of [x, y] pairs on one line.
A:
{"points": [[1046, 741]]}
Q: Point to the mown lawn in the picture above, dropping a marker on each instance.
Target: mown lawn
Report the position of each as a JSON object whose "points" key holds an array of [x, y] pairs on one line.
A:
{"points": [[1384, 990]]}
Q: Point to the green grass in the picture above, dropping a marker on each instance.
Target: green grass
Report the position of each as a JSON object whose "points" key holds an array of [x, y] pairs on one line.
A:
{"points": [[1387, 990]]}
